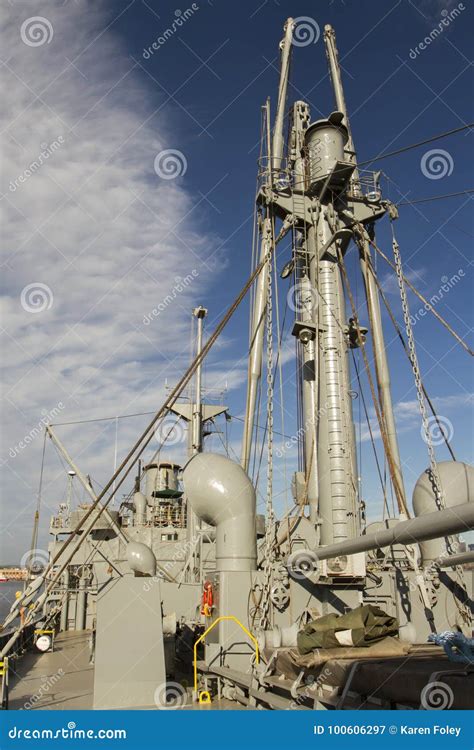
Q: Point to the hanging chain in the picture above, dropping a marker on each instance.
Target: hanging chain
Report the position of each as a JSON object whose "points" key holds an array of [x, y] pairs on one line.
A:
{"points": [[434, 478], [433, 470], [270, 517]]}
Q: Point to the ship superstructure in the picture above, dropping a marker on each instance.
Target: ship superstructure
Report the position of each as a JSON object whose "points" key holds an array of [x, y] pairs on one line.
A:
{"points": [[186, 578]]}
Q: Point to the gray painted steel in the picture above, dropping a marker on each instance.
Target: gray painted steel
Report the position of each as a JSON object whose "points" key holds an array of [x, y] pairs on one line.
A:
{"points": [[129, 652], [454, 520]]}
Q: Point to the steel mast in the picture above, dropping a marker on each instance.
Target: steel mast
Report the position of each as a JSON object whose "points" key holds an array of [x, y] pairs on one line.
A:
{"points": [[371, 290], [261, 291]]}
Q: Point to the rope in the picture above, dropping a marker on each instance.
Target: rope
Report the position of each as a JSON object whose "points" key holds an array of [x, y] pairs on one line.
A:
{"points": [[415, 145], [436, 197], [372, 440], [398, 492]]}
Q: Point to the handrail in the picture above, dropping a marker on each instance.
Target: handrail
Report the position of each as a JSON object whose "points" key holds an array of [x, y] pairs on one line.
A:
{"points": [[211, 627]]}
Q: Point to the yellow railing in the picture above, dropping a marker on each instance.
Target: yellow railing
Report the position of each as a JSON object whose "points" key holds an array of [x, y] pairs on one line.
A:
{"points": [[211, 627]]}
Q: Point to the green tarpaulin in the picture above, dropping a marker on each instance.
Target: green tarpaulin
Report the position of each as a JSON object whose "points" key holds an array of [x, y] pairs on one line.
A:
{"points": [[359, 627]]}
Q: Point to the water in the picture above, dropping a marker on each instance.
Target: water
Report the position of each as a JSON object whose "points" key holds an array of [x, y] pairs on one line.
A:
{"points": [[7, 596]]}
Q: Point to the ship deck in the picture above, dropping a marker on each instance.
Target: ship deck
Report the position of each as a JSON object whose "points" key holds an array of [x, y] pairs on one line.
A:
{"points": [[63, 679]]}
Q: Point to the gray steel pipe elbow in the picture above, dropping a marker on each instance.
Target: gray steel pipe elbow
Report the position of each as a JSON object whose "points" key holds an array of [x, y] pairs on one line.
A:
{"points": [[221, 494]]}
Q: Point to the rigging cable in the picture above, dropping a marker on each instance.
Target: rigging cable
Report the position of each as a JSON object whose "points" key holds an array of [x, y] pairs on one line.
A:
{"points": [[139, 446], [436, 197], [427, 304], [403, 342], [415, 145], [372, 439], [34, 536], [398, 491]]}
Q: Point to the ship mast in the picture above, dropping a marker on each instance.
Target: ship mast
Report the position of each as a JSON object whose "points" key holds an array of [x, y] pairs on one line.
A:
{"points": [[261, 291], [318, 192], [371, 290]]}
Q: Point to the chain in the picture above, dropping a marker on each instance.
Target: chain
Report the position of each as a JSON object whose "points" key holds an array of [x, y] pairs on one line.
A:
{"points": [[433, 471], [269, 526], [435, 478]]}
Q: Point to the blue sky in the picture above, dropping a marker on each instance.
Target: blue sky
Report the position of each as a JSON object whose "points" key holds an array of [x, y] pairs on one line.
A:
{"points": [[108, 237]]}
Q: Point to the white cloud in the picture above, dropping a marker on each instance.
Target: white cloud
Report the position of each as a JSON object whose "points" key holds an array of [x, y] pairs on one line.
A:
{"points": [[389, 281], [407, 413], [95, 225]]}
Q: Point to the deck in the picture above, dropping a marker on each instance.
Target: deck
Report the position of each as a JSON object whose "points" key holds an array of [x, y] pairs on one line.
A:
{"points": [[61, 679]]}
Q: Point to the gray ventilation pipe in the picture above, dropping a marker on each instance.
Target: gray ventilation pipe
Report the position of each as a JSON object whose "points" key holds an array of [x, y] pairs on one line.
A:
{"points": [[81, 605], [139, 503], [141, 559], [459, 518], [221, 494]]}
